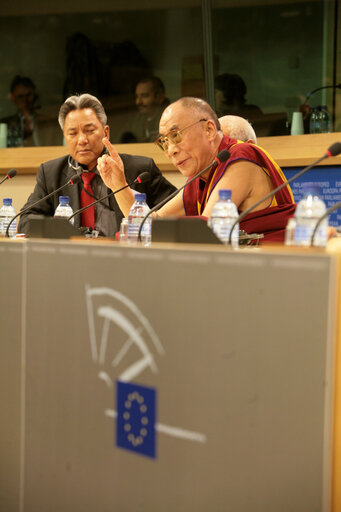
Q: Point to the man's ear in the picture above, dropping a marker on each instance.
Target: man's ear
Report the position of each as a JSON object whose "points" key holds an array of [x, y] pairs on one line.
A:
{"points": [[211, 129], [107, 131]]}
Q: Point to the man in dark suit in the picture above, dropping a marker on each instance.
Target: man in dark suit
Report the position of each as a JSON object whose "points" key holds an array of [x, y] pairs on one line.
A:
{"points": [[83, 121]]}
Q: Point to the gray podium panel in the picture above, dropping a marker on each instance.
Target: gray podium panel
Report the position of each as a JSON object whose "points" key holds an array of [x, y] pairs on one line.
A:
{"points": [[235, 349], [10, 373]]}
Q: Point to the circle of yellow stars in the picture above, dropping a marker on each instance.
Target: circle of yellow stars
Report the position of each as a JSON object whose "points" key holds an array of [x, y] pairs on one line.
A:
{"points": [[138, 439]]}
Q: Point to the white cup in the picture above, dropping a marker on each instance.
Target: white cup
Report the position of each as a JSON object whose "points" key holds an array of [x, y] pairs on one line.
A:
{"points": [[3, 135], [297, 124]]}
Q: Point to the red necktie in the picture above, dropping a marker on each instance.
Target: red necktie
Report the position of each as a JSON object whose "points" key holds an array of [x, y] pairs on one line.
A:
{"points": [[88, 216]]}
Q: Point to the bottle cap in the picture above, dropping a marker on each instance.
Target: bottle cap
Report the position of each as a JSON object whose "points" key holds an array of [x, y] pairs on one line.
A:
{"points": [[7, 201], [63, 199], [225, 193], [311, 189], [140, 197]]}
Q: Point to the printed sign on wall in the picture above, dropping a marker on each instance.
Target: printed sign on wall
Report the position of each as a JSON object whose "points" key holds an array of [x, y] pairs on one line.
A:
{"points": [[328, 178]]}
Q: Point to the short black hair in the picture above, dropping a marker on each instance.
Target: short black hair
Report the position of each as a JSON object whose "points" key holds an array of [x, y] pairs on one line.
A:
{"points": [[232, 86], [22, 80], [157, 84]]}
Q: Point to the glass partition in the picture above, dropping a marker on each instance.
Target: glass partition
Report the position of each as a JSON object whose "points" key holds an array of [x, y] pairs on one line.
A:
{"points": [[103, 53], [266, 57], [271, 56]]}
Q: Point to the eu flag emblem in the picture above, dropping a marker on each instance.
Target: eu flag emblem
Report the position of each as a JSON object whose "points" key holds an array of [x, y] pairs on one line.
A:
{"points": [[136, 418]]}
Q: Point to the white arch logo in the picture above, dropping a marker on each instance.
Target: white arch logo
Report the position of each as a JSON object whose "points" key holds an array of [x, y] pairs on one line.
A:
{"points": [[114, 309], [127, 316]]}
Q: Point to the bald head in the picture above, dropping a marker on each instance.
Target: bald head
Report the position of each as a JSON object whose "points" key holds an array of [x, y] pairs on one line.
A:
{"points": [[237, 127], [190, 135], [198, 107]]}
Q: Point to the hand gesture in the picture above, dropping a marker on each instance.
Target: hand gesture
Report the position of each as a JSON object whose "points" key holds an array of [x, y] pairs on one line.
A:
{"points": [[111, 167]]}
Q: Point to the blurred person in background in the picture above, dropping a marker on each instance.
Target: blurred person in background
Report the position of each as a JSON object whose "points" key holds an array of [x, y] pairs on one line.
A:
{"points": [[230, 92], [150, 100], [30, 126], [21, 125]]}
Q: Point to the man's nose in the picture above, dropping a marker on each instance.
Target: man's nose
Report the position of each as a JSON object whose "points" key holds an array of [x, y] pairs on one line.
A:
{"points": [[172, 149], [82, 138]]}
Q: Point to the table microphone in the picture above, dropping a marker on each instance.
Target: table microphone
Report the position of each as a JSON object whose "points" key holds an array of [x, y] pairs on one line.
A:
{"points": [[222, 156], [334, 86], [9, 175], [327, 212], [333, 150], [72, 181], [142, 178]]}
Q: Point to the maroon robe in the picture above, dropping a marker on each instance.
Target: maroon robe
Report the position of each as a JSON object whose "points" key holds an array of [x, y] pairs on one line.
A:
{"points": [[272, 220]]}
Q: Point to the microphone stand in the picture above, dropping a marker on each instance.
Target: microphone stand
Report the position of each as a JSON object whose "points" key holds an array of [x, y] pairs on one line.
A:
{"points": [[272, 193], [168, 198], [328, 212], [333, 150], [335, 86], [95, 202], [72, 181], [222, 156], [158, 206], [142, 178]]}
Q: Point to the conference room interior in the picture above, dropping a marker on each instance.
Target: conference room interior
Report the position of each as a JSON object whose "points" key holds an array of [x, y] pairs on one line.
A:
{"points": [[243, 345]]}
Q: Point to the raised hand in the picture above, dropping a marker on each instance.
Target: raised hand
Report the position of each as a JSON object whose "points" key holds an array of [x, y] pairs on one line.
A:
{"points": [[111, 167]]}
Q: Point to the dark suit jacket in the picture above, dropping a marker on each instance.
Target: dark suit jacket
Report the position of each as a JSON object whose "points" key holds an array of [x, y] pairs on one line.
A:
{"points": [[55, 173]]}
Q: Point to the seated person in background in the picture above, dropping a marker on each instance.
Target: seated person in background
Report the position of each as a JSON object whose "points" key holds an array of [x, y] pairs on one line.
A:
{"points": [[83, 121], [21, 125], [191, 138], [30, 126], [150, 99], [230, 91], [237, 127]]}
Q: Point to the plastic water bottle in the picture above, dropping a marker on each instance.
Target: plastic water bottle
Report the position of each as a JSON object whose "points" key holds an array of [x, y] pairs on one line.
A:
{"points": [[290, 232], [324, 120], [136, 214], [223, 216], [308, 212], [64, 210], [314, 123], [7, 212]]}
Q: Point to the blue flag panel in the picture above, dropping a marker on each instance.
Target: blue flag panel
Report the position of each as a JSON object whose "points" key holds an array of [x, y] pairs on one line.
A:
{"points": [[136, 418]]}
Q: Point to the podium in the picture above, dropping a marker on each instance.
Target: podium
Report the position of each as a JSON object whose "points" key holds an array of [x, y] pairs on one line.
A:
{"points": [[235, 348]]}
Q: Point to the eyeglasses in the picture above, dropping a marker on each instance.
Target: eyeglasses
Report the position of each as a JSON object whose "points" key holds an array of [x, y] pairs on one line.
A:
{"points": [[174, 137]]}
